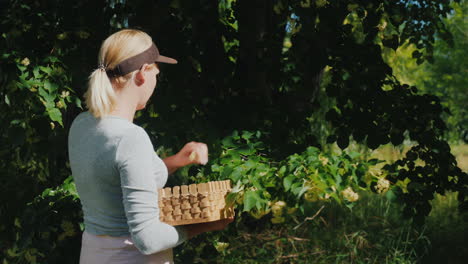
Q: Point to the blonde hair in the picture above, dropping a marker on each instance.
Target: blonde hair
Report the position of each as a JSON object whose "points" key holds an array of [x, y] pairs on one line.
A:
{"points": [[100, 96]]}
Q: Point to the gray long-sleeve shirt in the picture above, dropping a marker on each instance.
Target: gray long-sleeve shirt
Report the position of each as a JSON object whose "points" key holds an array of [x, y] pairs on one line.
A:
{"points": [[117, 174]]}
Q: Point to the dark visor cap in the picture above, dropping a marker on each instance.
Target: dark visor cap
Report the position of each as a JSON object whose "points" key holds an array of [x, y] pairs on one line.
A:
{"points": [[149, 56]]}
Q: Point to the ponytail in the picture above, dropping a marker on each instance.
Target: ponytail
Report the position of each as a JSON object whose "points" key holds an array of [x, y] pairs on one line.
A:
{"points": [[100, 97]]}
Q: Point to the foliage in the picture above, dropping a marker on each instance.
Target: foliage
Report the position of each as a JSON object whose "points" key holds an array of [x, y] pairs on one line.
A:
{"points": [[49, 230], [445, 75], [39, 97], [381, 110], [288, 187]]}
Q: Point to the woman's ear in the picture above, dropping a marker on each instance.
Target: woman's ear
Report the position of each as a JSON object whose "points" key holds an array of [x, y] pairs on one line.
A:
{"points": [[140, 76]]}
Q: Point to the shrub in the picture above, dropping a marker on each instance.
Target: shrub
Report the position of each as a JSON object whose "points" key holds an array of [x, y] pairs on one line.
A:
{"points": [[49, 230]]}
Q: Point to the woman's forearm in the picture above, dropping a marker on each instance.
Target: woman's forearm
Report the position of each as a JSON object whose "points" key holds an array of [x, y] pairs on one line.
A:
{"points": [[172, 163], [191, 153]]}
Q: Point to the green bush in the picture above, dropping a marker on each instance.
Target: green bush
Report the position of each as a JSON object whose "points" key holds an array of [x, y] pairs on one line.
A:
{"points": [[263, 185], [295, 210], [49, 230]]}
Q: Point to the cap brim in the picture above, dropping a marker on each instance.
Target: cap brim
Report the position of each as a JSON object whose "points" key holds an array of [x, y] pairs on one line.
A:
{"points": [[165, 59]]}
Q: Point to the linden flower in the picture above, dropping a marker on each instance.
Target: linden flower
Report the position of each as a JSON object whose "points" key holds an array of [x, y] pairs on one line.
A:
{"points": [[25, 61], [65, 94], [280, 203], [277, 208], [382, 26], [221, 246], [59, 104], [382, 185], [324, 160], [350, 195]]}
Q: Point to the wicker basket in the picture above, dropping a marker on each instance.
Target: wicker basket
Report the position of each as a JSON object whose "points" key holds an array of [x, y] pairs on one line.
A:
{"points": [[195, 203]]}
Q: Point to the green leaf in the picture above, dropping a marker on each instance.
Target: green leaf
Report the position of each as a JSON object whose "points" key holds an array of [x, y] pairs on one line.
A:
{"points": [[287, 182], [259, 204], [15, 122], [48, 192], [350, 205], [282, 170], [238, 187], [78, 102], [52, 87], [55, 115], [312, 151], [52, 59], [235, 135], [21, 67], [227, 171], [231, 199], [250, 200], [45, 95], [247, 135], [227, 142], [353, 154], [296, 188], [255, 182], [37, 73], [236, 174], [301, 190], [390, 195], [246, 151], [45, 69], [338, 179], [250, 165]]}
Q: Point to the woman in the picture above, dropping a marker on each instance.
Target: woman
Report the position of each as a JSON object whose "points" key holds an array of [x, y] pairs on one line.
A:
{"points": [[115, 168]]}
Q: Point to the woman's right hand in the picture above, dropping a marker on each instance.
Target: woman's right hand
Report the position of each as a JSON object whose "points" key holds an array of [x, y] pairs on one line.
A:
{"points": [[196, 229], [193, 153]]}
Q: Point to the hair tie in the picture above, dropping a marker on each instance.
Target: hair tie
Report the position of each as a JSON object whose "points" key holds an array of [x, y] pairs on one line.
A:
{"points": [[102, 67]]}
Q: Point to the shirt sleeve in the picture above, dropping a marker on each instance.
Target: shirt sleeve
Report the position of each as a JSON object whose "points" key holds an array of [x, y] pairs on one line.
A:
{"points": [[134, 158]]}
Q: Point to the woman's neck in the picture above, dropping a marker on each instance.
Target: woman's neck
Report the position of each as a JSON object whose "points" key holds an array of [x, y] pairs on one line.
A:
{"points": [[123, 112], [125, 105]]}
